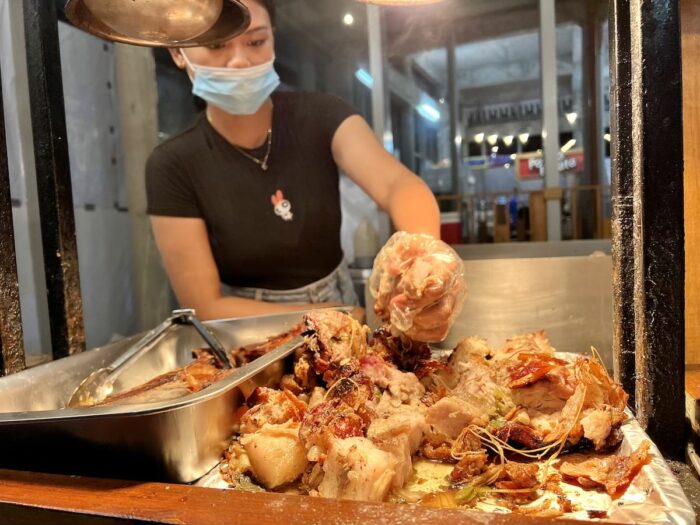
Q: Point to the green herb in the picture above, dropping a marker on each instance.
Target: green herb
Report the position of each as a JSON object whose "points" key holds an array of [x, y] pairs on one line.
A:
{"points": [[470, 494]]}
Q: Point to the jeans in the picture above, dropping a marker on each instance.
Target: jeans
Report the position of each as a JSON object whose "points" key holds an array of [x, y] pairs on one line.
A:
{"points": [[334, 288]]}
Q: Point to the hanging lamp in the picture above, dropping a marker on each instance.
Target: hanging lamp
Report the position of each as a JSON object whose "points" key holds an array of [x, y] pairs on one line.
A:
{"points": [[160, 23]]}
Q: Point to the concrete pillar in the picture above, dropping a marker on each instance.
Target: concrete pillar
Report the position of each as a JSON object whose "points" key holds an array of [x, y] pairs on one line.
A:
{"points": [[593, 134], [408, 125], [138, 105], [550, 117], [594, 148], [376, 69], [577, 83], [379, 91]]}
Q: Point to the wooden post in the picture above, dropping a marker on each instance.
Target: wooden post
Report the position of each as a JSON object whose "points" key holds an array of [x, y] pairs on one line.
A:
{"points": [[622, 223], [53, 178], [575, 225], [598, 212], [646, 113], [11, 346], [690, 42], [538, 216]]}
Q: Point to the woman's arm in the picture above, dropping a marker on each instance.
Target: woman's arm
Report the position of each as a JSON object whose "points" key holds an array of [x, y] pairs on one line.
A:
{"points": [[402, 194], [184, 246]]}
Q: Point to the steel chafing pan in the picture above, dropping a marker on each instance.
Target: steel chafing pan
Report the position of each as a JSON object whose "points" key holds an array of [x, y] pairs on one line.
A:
{"points": [[178, 440]]}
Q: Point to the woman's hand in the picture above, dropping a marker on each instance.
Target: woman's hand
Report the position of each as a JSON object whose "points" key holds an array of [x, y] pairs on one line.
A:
{"points": [[418, 285]]}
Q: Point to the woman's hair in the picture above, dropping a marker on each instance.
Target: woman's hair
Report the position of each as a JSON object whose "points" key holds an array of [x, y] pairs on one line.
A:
{"points": [[270, 6]]}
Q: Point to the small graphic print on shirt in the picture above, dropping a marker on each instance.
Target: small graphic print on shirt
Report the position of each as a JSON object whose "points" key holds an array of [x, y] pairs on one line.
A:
{"points": [[283, 208]]}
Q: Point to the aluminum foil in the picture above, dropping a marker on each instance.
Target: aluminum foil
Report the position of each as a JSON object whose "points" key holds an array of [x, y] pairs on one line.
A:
{"points": [[655, 495]]}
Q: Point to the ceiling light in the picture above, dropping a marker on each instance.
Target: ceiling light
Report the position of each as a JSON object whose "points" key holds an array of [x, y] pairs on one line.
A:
{"points": [[512, 156], [508, 140], [494, 149], [428, 112], [566, 147], [492, 139], [523, 137], [348, 19], [607, 137], [156, 23], [479, 138], [364, 77], [571, 117], [442, 100]]}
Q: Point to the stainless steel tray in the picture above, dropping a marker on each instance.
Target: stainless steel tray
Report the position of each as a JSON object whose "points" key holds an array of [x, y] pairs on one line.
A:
{"points": [[178, 440]]}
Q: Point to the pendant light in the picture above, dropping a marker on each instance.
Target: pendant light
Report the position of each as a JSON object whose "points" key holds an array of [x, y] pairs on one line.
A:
{"points": [[160, 23]]}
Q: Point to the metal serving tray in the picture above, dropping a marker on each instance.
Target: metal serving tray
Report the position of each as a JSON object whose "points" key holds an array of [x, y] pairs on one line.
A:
{"points": [[178, 440]]}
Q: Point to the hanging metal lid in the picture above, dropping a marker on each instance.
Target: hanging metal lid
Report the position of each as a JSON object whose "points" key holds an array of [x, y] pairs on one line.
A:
{"points": [[160, 23]]}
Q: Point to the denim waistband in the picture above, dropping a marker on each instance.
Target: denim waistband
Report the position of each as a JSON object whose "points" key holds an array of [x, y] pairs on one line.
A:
{"points": [[336, 287]]}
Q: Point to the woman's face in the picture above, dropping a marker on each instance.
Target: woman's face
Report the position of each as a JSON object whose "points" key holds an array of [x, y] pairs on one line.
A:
{"points": [[254, 47]]}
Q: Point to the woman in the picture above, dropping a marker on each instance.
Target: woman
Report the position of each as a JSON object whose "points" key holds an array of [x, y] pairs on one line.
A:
{"points": [[249, 195]]}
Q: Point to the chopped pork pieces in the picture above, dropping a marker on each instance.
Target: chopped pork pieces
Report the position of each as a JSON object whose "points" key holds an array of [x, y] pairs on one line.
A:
{"points": [[360, 409]]}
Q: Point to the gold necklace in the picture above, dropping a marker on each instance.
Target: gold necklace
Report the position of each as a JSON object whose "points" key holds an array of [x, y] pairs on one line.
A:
{"points": [[262, 163]]}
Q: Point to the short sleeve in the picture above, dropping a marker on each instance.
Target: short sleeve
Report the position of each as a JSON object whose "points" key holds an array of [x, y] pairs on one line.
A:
{"points": [[333, 111], [169, 190]]}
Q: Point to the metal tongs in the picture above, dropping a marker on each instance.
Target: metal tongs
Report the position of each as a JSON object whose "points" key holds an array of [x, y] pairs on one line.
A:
{"points": [[96, 387]]}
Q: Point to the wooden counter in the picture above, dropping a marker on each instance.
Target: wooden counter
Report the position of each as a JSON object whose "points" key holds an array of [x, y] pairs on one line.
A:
{"points": [[43, 498], [692, 381], [692, 399]]}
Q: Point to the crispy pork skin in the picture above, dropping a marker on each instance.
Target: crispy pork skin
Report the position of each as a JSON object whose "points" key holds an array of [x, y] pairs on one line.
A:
{"points": [[612, 472], [192, 377]]}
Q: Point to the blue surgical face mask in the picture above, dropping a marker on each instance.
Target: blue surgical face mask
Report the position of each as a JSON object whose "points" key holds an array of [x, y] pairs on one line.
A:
{"points": [[236, 91]]}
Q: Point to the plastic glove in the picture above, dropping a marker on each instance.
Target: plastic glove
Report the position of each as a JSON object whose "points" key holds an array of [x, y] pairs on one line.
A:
{"points": [[418, 286]]}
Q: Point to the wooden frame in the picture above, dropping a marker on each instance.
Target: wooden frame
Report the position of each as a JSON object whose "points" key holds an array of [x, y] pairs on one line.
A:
{"points": [[30, 498]]}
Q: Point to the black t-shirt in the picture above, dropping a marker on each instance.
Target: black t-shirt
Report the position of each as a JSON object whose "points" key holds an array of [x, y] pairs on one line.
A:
{"points": [[254, 239]]}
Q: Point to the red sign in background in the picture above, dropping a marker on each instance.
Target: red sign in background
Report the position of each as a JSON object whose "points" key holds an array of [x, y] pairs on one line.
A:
{"points": [[531, 167]]}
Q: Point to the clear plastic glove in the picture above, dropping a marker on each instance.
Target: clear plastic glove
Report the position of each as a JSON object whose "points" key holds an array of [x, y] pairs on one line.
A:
{"points": [[418, 286]]}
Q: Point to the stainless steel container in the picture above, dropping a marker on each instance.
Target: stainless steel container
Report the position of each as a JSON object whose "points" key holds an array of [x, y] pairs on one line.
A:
{"points": [[179, 440]]}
